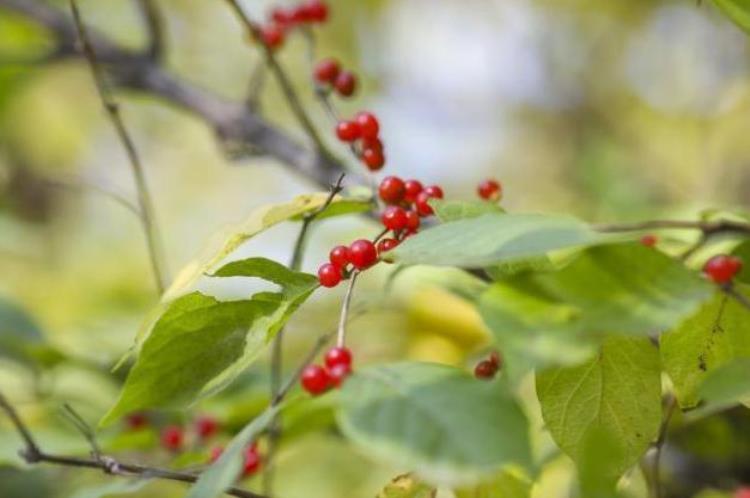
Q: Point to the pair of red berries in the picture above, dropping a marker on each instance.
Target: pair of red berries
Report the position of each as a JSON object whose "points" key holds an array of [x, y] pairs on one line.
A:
{"points": [[252, 462], [395, 191], [361, 254], [490, 190], [487, 368], [364, 128], [317, 379], [722, 268], [329, 75], [281, 20], [173, 436]]}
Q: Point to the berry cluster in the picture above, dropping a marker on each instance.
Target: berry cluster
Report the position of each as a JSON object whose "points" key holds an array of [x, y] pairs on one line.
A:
{"points": [[487, 368], [328, 76], [281, 20], [363, 132], [318, 379], [253, 460], [173, 436], [722, 268]]}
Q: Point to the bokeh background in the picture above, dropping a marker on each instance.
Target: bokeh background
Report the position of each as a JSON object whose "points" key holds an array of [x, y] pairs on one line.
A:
{"points": [[609, 110]]}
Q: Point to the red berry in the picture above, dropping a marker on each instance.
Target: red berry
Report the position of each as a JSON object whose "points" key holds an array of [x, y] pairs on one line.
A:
{"points": [[369, 125], [282, 16], [372, 143], [338, 356], [339, 256], [394, 218], [338, 373], [136, 420], [272, 35], [363, 254], [215, 453], [434, 191], [743, 492], [315, 379], [252, 461], [722, 268], [412, 220], [315, 10], [386, 245], [423, 208], [490, 190], [345, 84], [413, 188], [326, 71], [485, 370], [373, 159], [301, 14], [347, 131], [206, 426], [172, 437], [392, 190], [649, 240], [329, 275]]}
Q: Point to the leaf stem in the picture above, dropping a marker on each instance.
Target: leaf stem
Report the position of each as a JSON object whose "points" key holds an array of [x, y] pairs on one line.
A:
{"points": [[341, 332]]}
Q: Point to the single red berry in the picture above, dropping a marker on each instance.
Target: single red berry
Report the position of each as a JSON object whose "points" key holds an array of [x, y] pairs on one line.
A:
{"points": [[412, 220], [172, 437], [373, 159], [282, 16], [206, 426], [496, 359], [136, 420], [363, 254], [394, 218], [329, 275], [326, 71], [485, 370], [412, 190], [649, 240], [338, 356], [421, 204], [392, 190], [347, 131], [743, 492], [252, 461], [315, 379], [386, 245], [372, 143], [315, 10], [216, 452], [339, 256], [722, 268], [338, 373], [272, 35], [345, 84], [369, 125], [434, 191], [490, 190]]}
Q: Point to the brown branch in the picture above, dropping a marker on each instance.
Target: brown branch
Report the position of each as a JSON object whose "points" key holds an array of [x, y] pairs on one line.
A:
{"points": [[155, 28]]}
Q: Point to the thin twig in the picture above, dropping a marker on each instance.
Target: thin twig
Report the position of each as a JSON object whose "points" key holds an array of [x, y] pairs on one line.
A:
{"points": [[341, 333], [84, 429], [707, 227], [656, 463], [110, 105], [155, 28]]}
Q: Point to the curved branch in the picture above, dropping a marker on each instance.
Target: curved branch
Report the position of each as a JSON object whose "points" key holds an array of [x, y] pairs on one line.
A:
{"points": [[155, 28]]}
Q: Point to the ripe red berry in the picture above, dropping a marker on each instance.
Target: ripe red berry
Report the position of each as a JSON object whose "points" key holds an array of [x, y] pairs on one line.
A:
{"points": [[413, 188], [326, 71], [338, 373], [329, 275], [386, 245], [339, 256], [485, 370], [301, 14], [172, 437], [252, 461], [722, 268], [216, 452], [392, 190], [372, 143], [434, 191], [421, 204], [394, 218], [373, 159], [315, 10], [338, 356], [490, 190], [743, 492], [412, 220], [347, 131], [345, 84], [315, 379], [206, 426], [282, 16], [272, 35], [363, 254], [368, 124], [649, 240], [136, 420]]}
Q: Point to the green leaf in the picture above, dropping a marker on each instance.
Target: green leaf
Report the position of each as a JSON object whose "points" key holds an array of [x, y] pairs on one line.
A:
{"points": [[407, 486], [116, 487], [457, 210], [491, 239], [727, 384], [224, 472], [446, 425], [743, 252], [619, 288], [18, 332], [507, 484], [261, 219], [738, 11], [618, 392], [200, 344], [716, 334]]}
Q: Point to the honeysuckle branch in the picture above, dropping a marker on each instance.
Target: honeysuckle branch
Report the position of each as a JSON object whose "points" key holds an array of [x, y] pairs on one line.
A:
{"points": [[155, 26], [708, 228], [344, 318], [145, 203]]}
